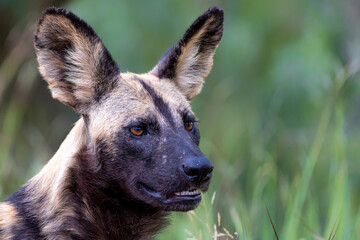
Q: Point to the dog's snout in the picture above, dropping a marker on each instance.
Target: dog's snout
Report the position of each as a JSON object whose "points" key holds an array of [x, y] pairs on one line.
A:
{"points": [[198, 169]]}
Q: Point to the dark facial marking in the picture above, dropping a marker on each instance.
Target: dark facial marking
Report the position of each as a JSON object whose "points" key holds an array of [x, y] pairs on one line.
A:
{"points": [[159, 103]]}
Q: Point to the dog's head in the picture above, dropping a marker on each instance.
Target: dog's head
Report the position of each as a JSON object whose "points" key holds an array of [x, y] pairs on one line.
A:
{"points": [[141, 127]]}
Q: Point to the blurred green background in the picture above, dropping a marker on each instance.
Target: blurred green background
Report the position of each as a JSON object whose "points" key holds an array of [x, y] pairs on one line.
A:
{"points": [[279, 113]]}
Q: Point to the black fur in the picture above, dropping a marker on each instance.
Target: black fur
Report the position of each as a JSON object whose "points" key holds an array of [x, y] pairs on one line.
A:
{"points": [[108, 72], [148, 153], [117, 215], [29, 226]]}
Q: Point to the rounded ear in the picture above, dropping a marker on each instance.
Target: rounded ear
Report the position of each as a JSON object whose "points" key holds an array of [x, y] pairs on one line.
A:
{"points": [[189, 61], [73, 60]]}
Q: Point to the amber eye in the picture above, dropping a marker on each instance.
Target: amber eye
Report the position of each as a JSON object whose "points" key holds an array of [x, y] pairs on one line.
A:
{"points": [[137, 131], [189, 126]]}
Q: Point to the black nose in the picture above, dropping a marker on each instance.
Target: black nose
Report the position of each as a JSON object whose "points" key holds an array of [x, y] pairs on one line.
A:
{"points": [[198, 168]]}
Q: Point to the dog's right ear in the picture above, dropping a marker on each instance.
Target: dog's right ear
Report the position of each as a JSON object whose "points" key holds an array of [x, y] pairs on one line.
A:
{"points": [[73, 60]]}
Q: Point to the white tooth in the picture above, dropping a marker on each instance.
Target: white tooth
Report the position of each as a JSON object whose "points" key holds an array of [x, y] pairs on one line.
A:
{"points": [[192, 192]]}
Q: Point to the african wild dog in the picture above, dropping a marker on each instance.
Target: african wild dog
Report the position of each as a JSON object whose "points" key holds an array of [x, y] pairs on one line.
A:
{"points": [[133, 156]]}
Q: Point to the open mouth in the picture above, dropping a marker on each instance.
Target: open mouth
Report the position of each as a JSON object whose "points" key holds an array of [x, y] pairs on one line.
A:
{"points": [[190, 195], [194, 194]]}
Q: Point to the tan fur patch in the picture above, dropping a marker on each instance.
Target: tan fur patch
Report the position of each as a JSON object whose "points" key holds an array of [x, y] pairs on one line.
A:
{"points": [[8, 219], [50, 180]]}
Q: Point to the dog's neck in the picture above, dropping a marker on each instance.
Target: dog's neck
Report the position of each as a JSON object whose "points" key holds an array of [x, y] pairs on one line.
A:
{"points": [[82, 199]]}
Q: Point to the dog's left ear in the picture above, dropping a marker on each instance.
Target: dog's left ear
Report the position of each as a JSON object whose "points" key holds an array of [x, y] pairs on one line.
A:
{"points": [[189, 61]]}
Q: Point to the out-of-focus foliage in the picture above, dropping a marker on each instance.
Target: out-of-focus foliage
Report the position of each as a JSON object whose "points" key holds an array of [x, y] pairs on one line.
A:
{"points": [[279, 112]]}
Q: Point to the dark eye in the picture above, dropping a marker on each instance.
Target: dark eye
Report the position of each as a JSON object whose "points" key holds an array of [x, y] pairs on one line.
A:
{"points": [[137, 131], [189, 126]]}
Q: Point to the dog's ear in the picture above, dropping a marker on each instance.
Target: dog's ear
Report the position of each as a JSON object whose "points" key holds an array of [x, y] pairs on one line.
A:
{"points": [[73, 60], [189, 61]]}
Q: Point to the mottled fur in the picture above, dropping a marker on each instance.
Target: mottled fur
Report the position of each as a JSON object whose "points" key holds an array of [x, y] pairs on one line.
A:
{"points": [[104, 182]]}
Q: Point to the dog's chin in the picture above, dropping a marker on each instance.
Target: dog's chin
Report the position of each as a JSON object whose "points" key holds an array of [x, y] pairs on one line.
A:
{"points": [[182, 206], [180, 201]]}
